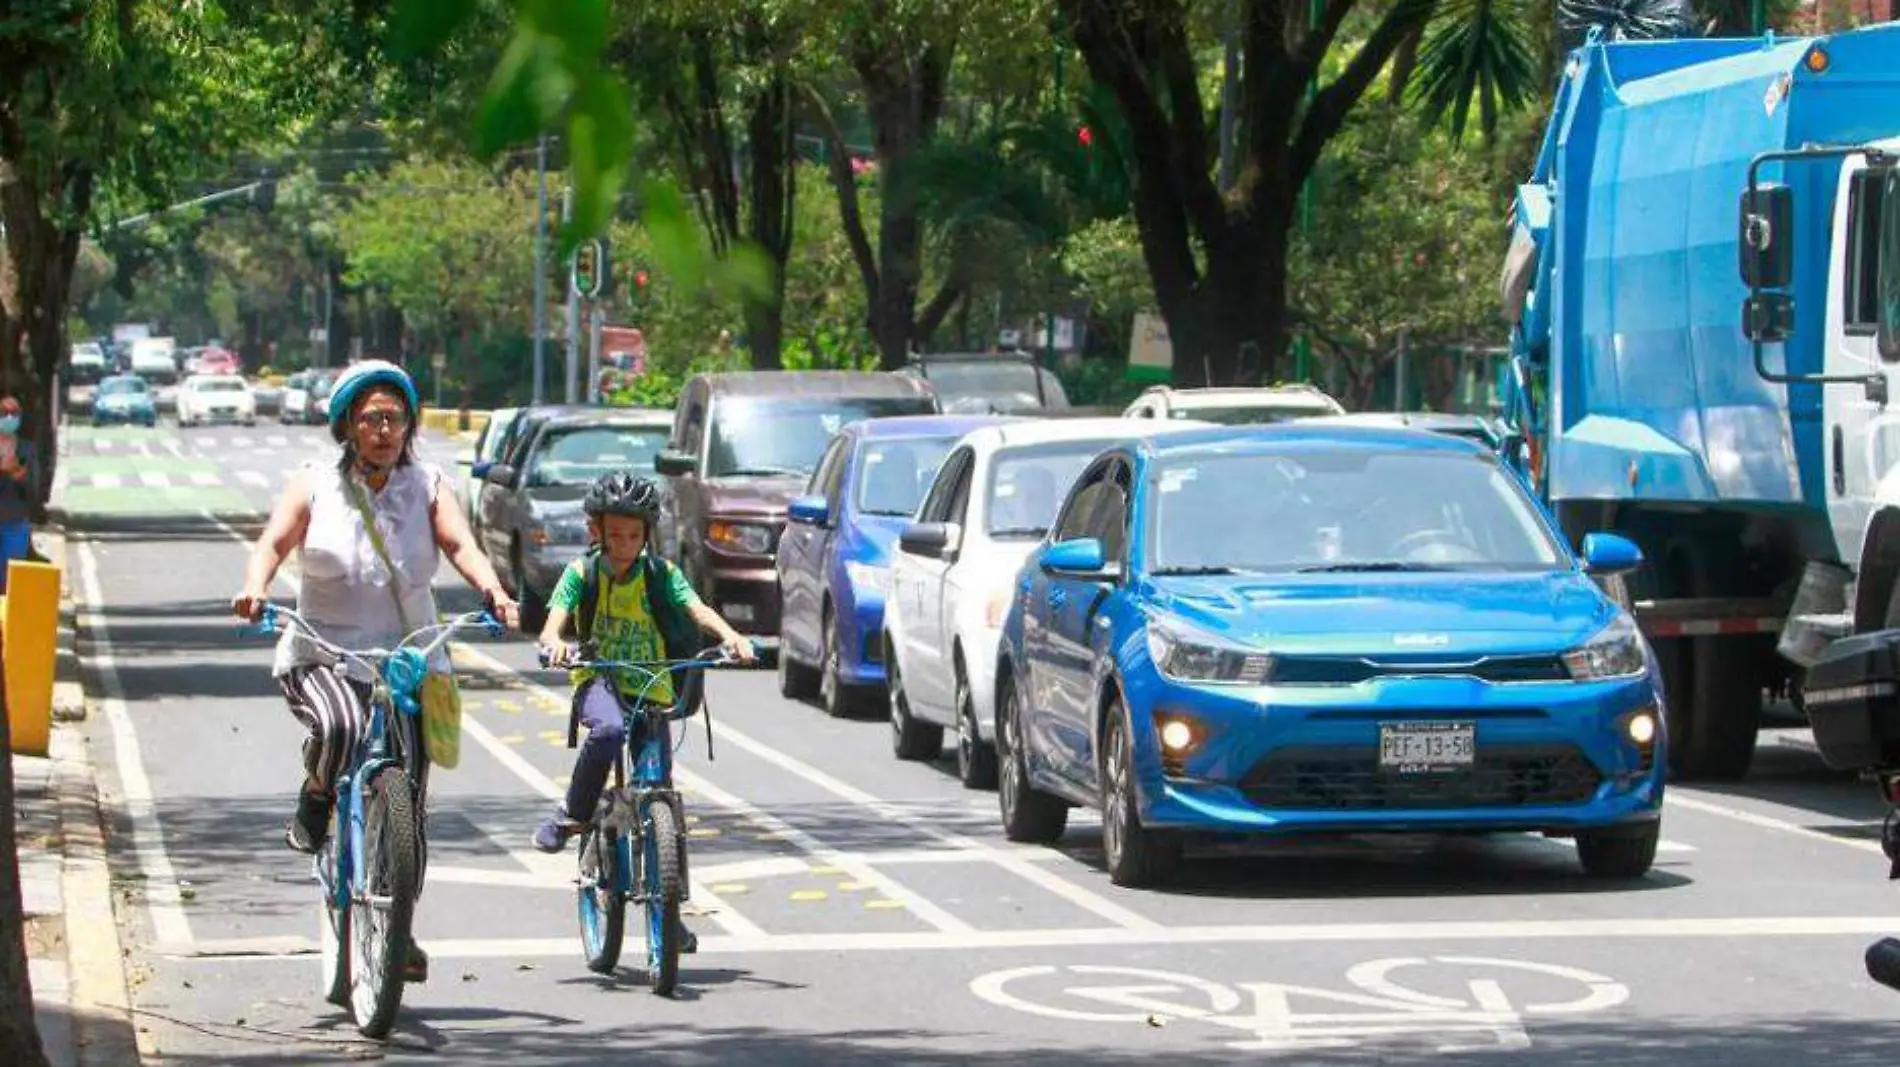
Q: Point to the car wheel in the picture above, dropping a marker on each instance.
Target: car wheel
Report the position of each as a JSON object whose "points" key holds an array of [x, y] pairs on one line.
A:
{"points": [[911, 739], [1029, 816], [795, 680], [1137, 856], [1619, 852], [976, 759], [839, 699]]}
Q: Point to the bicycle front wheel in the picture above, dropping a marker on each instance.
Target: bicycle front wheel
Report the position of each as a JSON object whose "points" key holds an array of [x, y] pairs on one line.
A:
{"points": [[660, 883], [602, 905], [382, 905]]}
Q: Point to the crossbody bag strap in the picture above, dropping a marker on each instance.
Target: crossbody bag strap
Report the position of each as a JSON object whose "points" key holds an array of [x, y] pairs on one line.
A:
{"points": [[376, 541]]}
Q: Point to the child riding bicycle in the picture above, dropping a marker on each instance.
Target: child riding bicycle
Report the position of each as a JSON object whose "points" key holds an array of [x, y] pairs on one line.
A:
{"points": [[630, 605]]}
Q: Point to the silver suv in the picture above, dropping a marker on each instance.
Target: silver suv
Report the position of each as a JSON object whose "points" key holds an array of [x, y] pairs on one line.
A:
{"points": [[1234, 406]]}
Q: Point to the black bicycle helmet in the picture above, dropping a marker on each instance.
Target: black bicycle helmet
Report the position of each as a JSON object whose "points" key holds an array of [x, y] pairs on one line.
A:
{"points": [[621, 493]]}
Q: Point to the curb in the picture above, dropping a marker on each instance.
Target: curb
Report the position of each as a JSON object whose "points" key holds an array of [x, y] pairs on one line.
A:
{"points": [[97, 992]]}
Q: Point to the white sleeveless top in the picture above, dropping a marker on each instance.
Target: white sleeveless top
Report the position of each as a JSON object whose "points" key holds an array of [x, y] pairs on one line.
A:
{"points": [[346, 587]]}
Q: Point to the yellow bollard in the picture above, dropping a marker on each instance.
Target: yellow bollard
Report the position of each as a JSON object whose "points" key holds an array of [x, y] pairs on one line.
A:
{"points": [[30, 614]]}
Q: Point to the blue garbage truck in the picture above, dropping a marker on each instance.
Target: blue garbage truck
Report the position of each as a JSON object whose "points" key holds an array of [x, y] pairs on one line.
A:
{"points": [[1703, 287]]}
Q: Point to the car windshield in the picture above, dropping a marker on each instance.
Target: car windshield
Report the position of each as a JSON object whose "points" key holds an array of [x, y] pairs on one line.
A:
{"points": [[1027, 485], [1325, 509], [116, 386], [1248, 415], [788, 435], [584, 453], [979, 386], [893, 476], [221, 385]]}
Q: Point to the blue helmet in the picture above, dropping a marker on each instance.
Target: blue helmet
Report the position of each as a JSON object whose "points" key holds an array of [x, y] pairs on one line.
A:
{"points": [[360, 376]]}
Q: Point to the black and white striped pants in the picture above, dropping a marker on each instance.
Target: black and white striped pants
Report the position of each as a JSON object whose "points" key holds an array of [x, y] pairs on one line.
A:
{"points": [[334, 709]]}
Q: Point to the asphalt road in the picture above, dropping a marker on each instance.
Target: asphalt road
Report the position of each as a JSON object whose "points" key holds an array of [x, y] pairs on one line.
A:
{"points": [[854, 910]]}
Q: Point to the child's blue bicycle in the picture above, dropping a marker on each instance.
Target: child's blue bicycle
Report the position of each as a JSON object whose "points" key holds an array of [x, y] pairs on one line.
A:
{"points": [[635, 847], [370, 867]]}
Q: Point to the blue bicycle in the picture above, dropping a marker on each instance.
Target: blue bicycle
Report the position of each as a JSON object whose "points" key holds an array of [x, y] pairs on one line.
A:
{"points": [[634, 848], [370, 868]]}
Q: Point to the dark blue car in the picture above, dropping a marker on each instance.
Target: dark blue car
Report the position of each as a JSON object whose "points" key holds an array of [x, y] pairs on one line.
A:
{"points": [[1299, 628], [835, 556]]}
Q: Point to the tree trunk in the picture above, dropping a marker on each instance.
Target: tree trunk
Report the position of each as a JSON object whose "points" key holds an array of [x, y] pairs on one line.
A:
{"points": [[772, 190], [19, 1035]]}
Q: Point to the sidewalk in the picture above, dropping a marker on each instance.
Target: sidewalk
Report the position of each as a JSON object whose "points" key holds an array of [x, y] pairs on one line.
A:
{"points": [[75, 960]]}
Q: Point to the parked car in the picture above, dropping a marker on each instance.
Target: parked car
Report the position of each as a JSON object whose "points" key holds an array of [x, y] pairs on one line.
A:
{"points": [[205, 399], [1276, 630], [743, 445], [85, 368], [1234, 406], [483, 454], [125, 399], [979, 383], [834, 557], [951, 581], [531, 521]]}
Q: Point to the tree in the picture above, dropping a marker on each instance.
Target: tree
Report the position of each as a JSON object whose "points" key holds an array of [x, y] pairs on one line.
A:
{"points": [[1218, 257]]}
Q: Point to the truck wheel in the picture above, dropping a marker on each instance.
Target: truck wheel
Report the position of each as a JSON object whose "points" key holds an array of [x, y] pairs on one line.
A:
{"points": [[1712, 701]]}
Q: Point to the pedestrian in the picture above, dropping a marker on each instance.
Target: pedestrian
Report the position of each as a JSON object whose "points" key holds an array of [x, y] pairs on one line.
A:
{"points": [[19, 489], [371, 531]]}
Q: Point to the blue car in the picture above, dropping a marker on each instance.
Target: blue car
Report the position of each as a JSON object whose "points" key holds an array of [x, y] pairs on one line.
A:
{"points": [[834, 560], [125, 399], [1296, 628]]}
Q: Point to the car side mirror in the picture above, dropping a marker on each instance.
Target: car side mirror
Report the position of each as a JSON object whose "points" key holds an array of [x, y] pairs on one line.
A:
{"points": [[931, 540], [809, 511], [673, 463], [1077, 558], [1610, 554], [479, 469], [1767, 236], [501, 474]]}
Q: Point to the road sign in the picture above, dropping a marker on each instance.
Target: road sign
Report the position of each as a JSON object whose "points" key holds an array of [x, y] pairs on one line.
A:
{"points": [[440, 361]]}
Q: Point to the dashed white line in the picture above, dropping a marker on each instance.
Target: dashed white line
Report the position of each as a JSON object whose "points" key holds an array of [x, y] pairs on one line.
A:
{"points": [[106, 481], [254, 478], [154, 480], [205, 478]]}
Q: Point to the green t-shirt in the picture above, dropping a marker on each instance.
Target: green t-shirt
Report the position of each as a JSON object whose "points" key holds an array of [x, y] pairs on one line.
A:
{"points": [[624, 629]]}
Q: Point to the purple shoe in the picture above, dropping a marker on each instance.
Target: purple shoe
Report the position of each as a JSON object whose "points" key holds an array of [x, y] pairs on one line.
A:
{"points": [[551, 836]]}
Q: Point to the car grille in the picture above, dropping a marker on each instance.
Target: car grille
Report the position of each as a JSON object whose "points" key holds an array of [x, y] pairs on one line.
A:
{"points": [[1342, 670], [1349, 778]]}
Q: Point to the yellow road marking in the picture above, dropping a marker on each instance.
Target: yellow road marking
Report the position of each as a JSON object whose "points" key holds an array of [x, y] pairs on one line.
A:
{"points": [[731, 888], [883, 904], [809, 894]]}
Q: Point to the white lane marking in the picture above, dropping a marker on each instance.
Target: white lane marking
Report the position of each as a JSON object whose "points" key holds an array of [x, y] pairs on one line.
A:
{"points": [[169, 922], [106, 481], [1768, 822], [205, 478], [563, 879], [155, 479], [173, 446], [240, 441], [254, 478], [277, 440], [1049, 880], [1289, 933], [804, 842]]}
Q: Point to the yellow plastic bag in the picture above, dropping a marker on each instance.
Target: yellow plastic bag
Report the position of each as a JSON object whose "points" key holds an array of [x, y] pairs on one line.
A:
{"points": [[442, 720]]}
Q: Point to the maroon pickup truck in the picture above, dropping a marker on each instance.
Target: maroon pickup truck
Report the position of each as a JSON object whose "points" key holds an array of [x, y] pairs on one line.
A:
{"points": [[743, 445]]}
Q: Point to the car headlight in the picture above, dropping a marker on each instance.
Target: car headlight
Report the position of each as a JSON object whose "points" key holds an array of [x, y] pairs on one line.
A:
{"points": [[1615, 652], [1190, 656], [741, 537], [866, 578]]}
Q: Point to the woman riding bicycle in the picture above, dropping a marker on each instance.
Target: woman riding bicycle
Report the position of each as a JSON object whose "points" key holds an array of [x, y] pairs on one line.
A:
{"points": [[376, 511]]}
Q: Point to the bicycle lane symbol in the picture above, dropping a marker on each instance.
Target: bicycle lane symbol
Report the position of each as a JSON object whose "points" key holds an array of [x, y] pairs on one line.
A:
{"points": [[1279, 1016]]}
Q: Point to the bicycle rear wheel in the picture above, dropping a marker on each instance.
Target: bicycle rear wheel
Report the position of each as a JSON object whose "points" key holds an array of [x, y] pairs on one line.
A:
{"points": [[660, 882], [602, 905], [382, 908]]}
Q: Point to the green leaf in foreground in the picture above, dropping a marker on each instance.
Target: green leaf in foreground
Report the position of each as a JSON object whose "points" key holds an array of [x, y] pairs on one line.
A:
{"points": [[422, 26]]}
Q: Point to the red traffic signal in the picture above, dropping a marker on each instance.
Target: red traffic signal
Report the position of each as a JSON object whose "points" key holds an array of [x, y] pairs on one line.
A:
{"points": [[1086, 136], [640, 280]]}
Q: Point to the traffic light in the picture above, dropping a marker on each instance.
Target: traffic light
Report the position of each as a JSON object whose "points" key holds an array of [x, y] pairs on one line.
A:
{"points": [[1086, 136], [638, 292], [590, 268]]}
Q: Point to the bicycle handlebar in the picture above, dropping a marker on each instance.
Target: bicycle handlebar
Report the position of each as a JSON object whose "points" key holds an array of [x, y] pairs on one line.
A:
{"points": [[267, 624]]}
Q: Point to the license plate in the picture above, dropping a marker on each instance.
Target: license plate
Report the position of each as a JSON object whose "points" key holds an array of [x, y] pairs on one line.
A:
{"points": [[1427, 747]]}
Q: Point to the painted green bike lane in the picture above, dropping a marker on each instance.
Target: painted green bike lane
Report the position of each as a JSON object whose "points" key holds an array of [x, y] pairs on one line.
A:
{"points": [[154, 481]]}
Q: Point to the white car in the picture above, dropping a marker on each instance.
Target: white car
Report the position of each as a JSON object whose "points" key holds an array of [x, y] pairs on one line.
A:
{"points": [[484, 453], [1234, 406], [991, 502], [212, 398]]}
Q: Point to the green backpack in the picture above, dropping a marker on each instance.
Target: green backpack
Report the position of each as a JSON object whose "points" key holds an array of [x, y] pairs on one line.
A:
{"points": [[678, 632]]}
